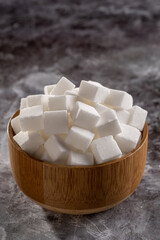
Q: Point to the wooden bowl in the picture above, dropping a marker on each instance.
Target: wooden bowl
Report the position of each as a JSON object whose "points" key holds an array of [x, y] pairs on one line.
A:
{"points": [[77, 189]]}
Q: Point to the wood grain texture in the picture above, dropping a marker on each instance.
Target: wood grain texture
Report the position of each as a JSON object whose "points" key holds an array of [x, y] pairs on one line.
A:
{"points": [[77, 189]]}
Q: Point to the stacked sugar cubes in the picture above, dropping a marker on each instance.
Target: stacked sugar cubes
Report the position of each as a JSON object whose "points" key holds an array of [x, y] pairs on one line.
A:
{"points": [[88, 125]]}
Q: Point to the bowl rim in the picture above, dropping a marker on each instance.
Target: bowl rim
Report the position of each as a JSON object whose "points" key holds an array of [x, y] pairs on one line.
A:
{"points": [[50, 164]]}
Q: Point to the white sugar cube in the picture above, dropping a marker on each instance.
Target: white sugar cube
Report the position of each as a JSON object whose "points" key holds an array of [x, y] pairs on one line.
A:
{"points": [[137, 117], [103, 92], [61, 102], [28, 141], [119, 99], [39, 152], [78, 158], [95, 83], [23, 103], [73, 92], [42, 154], [101, 108], [84, 116], [79, 138], [108, 124], [45, 157], [16, 124], [76, 89], [92, 91], [39, 99], [71, 100], [105, 149], [31, 118], [48, 89], [34, 100], [56, 122], [128, 139], [57, 103], [123, 116], [55, 149], [63, 85], [62, 138]]}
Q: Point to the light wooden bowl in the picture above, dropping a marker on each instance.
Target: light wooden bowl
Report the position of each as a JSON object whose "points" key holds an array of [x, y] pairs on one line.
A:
{"points": [[77, 189]]}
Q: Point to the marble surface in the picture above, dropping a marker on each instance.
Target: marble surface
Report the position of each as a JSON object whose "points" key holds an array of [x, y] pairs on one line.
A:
{"points": [[114, 42]]}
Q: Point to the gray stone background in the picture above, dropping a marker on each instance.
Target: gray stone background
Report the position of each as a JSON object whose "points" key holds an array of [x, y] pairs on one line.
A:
{"points": [[114, 42]]}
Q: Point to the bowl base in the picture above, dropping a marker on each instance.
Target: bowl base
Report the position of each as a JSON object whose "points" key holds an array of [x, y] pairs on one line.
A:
{"points": [[79, 212]]}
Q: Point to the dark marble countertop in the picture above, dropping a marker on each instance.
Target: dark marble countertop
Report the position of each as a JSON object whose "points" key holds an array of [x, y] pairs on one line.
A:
{"points": [[114, 42]]}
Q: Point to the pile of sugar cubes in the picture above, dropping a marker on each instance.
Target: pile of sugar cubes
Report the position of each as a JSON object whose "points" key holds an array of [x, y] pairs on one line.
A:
{"points": [[88, 125]]}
